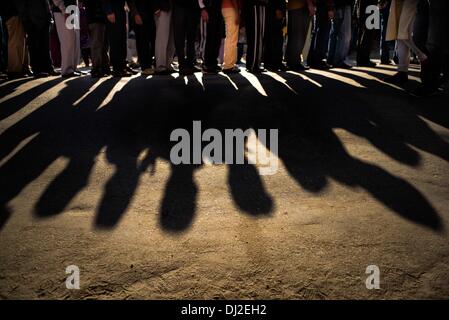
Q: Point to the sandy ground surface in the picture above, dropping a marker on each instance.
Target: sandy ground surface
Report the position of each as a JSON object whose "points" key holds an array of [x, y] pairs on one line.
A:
{"points": [[85, 180]]}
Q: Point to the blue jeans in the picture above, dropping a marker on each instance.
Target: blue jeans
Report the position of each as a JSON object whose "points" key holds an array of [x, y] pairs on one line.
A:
{"points": [[385, 46], [320, 36], [340, 36]]}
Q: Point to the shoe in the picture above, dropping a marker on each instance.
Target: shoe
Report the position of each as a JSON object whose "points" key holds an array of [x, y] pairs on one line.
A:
{"points": [[276, 68], [147, 72], [342, 65], [211, 70], [387, 62], [232, 70], [41, 75], [53, 73], [400, 78], [121, 73], [71, 75], [423, 92], [257, 70], [130, 70], [16, 75], [97, 74], [298, 67], [196, 69], [321, 65], [184, 71], [369, 64]]}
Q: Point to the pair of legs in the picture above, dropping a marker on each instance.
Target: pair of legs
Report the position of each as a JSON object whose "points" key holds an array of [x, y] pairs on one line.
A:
{"points": [[212, 32], [274, 41], [98, 49], [185, 23], [230, 16], [297, 27], [69, 39], [340, 36], [145, 40], [254, 16], [165, 43], [17, 53]]}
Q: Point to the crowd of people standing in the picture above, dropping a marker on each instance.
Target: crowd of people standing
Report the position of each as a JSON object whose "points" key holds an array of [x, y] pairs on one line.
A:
{"points": [[205, 36]]}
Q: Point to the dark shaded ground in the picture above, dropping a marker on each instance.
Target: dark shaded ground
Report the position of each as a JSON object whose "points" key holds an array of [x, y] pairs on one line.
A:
{"points": [[347, 141]]}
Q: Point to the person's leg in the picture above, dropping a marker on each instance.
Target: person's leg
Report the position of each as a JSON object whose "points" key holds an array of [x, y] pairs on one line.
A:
{"points": [[404, 55], [16, 45], [143, 43], [117, 40], [437, 44], [261, 33], [366, 36], [274, 40], [293, 54], [42, 42], [323, 34], [69, 45], [96, 35], [335, 37], [344, 37], [230, 16], [192, 21], [180, 34], [421, 25], [164, 48], [213, 38], [385, 46], [250, 27], [270, 40]]}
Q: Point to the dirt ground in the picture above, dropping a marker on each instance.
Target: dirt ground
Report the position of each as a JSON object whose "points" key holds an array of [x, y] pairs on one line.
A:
{"points": [[85, 180]]}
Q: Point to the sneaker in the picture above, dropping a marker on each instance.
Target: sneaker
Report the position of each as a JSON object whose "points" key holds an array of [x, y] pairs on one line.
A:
{"points": [[399, 78]]}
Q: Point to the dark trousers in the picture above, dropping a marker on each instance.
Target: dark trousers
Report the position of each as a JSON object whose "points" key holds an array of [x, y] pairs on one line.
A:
{"points": [[274, 40], [366, 36], [214, 33], [117, 39], [39, 46], [320, 36], [385, 46], [421, 25], [185, 25], [3, 46], [254, 16], [98, 47], [145, 40], [437, 43]]}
